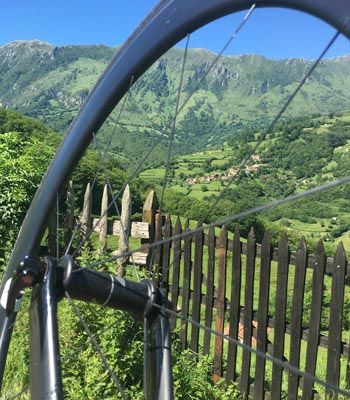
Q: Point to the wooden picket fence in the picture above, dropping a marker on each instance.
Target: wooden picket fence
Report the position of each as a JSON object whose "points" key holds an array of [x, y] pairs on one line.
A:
{"points": [[244, 290], [220, 295]]}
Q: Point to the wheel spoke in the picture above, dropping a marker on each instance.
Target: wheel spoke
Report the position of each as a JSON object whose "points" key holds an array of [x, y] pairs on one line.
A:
{"points": [[127, 338], [111, 136], [98, 148], [68, 357], [97, 347], [170, 144], [218, 56], [172, 132], [102, 156], [180, 108], [272, 124], [24, 390]]}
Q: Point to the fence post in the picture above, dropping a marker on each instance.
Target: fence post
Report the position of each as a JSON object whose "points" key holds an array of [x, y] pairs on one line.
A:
{"points": [[104, 220], [297, 318], [125, 223], [164, 279], [186, 286], [280, 315], [209, 295], [263, 308], [157, 255], [336, 318], [315, 319], [149, 215], [220, 304], [176, 270], [52, 234], [197, 286], [235, 310], [69, 220], [248, 312], [86, 223]]}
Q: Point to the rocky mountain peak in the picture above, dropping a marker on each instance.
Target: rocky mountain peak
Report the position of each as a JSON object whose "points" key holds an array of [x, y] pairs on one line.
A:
{"points": [[345, 58], [27, 48]]}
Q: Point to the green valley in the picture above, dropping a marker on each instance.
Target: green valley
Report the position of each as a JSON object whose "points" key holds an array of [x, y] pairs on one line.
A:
{"points": [[296, 156]]}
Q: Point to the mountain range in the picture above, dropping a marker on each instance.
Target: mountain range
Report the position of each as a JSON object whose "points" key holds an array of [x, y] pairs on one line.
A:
{"points": [[238, 93]]}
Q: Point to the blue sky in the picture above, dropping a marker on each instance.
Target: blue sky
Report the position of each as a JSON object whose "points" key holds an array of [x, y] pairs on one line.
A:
{"points": [[274, 33]]}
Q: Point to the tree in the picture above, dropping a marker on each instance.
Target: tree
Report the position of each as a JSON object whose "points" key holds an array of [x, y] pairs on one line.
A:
{"points": [[23, 162]]}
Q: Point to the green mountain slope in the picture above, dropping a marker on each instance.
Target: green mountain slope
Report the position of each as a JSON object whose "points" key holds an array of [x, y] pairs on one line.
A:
{"points": [[51, 83]]}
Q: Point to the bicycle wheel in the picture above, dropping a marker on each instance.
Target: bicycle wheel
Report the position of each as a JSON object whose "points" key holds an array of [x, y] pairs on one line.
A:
{"points": [[169, 22]]}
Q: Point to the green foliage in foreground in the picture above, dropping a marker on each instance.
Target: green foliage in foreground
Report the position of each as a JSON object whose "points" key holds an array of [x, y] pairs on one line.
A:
{"points": [[26, 146], [26, 149], [121, 340], [22, 162]]}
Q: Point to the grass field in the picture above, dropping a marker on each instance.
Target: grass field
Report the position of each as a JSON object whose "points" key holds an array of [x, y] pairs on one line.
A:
{"points": [[153, 174]]}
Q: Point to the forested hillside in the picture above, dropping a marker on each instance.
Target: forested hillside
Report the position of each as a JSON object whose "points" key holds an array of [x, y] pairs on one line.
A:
{"points": [[241, 92], [26, 148], [295, 156]]}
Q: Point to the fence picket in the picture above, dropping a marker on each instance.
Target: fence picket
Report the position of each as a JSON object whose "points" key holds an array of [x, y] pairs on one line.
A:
{"points": [[125, 225], [176, 271], [280, 315], [86, 221], [315, 317], [209, 297], [150, 206], [335, 318], [186, 287], [297, 318], [263, 308], [69, 222], [197, 286], [248, 313], [52, 234], [166, 255], [158, 250], [220, 304], [103, 223], [235, 309]]}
